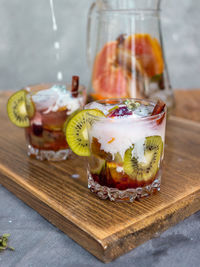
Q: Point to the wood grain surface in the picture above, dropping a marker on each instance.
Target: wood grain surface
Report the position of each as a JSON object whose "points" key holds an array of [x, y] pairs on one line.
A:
{"points": [[104, 228], [187, 104]]}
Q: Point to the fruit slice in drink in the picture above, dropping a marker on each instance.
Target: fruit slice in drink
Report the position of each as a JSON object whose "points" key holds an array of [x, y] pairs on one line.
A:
{"points": [[54, 120], [97, 165], [97, 151], [146, 169], [76, 131]]}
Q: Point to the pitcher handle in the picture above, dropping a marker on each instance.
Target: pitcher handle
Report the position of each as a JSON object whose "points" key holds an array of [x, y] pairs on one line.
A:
{"points": [[89, 19]]}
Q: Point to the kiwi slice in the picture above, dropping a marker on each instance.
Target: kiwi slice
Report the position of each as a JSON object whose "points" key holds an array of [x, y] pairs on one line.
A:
{"points": [[144, 171], [68, 119], [30, 108], [76, 131], [16, 108], [97, 165]]}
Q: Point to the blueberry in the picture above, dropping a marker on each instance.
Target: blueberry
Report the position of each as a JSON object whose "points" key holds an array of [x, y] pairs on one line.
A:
{"points": [[37, 129]]}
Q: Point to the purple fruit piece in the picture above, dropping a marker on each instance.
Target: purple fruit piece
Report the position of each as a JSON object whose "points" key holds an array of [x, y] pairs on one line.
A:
{"points": [[121, 111], [37, 129]]}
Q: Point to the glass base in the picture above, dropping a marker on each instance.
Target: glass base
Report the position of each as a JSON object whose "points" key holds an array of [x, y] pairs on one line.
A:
{"points": [[128, 195], [41, 154]]}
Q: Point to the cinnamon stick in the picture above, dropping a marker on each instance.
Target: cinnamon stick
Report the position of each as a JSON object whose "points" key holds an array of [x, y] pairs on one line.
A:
{"points": [[75, 86]]}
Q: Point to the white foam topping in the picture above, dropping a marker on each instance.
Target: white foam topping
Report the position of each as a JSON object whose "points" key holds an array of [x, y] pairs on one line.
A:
{"points": [[120, 133], [138, 150], [56, 97]]}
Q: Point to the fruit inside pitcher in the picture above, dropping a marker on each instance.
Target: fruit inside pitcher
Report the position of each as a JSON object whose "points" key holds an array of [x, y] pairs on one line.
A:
{"points": [[130, 66]]}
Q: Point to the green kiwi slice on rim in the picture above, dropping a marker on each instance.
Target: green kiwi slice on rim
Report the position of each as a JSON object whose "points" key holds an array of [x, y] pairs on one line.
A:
{"points": [[16, 108], [68, 119], [76, 131], [30, 108], [144, 171]]}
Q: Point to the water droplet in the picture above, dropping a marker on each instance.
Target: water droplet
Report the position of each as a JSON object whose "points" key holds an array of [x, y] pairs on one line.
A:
{"points": [[59, 76], [75, 176], [57, 45]]}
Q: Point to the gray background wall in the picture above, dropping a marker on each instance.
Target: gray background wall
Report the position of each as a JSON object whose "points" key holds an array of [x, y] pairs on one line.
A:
{"points": [[27, 53]]}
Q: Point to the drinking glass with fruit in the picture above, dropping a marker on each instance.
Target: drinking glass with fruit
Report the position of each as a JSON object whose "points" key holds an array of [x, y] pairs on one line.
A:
{"points": [[124, 142], [42, 111]]}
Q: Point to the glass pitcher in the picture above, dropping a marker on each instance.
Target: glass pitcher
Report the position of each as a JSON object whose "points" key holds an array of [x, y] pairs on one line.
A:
{"points": [[125, 51]]}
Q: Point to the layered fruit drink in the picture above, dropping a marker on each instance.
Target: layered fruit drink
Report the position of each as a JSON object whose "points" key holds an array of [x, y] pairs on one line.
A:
{"points": [[125, 145], [43, 110]]}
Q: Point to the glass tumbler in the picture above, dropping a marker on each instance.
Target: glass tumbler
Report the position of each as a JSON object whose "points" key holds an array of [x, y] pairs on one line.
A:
{"points": [[126, 152], [49, 106]]}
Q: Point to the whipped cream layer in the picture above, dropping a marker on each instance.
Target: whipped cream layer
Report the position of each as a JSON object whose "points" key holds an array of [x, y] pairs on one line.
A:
{"points": [[55, 98]]}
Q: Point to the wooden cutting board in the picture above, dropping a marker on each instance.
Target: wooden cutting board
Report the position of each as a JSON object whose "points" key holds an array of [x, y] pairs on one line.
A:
{"points": [[105, 229]]}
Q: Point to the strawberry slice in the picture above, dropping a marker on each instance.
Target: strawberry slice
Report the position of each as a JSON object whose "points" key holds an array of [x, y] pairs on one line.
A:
{"points": [[159, 107]]}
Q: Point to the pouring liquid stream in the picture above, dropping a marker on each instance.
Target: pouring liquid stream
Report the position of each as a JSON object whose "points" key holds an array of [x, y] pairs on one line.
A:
{"points": [[56, 43]]}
